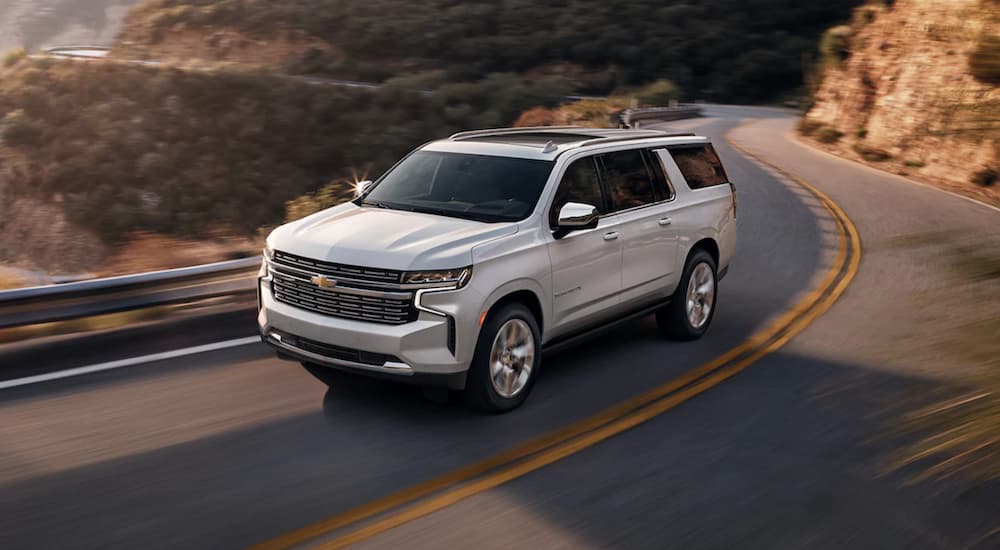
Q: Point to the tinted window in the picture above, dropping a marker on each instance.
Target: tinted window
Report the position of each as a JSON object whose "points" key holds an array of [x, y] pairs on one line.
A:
{"points": [[700, 165], [627, 179], [663, 189], [479, 187], [579, 184]]}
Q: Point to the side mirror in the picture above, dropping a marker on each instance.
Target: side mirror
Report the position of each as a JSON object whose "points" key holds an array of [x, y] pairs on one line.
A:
{"points": [[574, 216], [362, 187]]}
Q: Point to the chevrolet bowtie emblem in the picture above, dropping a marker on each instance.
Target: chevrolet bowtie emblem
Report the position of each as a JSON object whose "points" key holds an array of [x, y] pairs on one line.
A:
{"points": [[323, 281]]}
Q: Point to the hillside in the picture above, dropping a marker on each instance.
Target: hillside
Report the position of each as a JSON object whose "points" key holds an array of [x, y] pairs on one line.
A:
{"points": [[913, 87], [730, 50], [33, 24], [92, 154]]}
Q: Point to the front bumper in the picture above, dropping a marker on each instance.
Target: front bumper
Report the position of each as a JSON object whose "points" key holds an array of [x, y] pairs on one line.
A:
{"points": [[416, 352]]}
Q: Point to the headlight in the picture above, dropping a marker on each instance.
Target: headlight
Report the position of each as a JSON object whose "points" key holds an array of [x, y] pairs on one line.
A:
{"points": [[268, 253], [450, 277]]}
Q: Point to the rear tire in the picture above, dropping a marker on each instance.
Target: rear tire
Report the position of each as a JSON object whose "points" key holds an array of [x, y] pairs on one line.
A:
{"points": [[694, 302], [505, 364]]}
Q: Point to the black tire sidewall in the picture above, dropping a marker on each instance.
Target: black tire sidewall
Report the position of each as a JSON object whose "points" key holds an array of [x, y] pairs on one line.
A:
{"points": [[673, 320], [479, 389]]}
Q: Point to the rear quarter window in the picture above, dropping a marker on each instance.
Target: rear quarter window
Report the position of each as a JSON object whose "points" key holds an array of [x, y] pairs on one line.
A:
{"points": [[700, 166]]}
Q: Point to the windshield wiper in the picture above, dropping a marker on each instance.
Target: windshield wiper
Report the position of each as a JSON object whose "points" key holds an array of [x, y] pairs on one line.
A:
{"points": [[376, 204]]}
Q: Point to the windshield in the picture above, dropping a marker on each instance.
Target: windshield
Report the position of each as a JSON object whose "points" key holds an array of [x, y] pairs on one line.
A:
{"points": [[478, 187]]}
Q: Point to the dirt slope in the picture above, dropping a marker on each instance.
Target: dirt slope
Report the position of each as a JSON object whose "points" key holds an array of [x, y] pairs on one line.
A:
{"points": [[905, 91]]}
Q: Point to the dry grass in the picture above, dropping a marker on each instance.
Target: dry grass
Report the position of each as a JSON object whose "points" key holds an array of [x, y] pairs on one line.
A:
{"points": [[958, 432], [593, 113]]}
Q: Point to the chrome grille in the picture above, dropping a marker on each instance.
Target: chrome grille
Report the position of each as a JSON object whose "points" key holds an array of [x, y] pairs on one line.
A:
{"points": [[346, 300], [339, 271]]}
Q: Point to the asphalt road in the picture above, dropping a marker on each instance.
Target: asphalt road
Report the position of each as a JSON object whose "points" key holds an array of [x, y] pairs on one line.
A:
{"points": [[232, 448]]}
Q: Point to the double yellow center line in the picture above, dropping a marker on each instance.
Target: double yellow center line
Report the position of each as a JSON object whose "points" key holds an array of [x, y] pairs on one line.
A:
{"points": [[430, 496]]}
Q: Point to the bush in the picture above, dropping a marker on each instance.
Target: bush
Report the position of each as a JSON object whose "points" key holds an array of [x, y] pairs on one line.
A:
{"points": [[985, 177], [537, 116], [658, 94], [984, 61], [872, 154], [862, 133], [834, 46], [18, 130], [827, 134], [329, 195], [186, 153], [808, 127], [721, 48], [914, 163], [12, 57]]}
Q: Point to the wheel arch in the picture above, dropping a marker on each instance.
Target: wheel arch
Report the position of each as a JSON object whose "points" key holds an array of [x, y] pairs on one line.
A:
{"points": [[708, 244]]}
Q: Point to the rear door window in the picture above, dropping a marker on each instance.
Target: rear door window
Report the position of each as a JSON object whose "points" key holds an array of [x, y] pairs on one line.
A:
{"points": [[661, 184], [627, 179], [700, 166], [579, 184]]}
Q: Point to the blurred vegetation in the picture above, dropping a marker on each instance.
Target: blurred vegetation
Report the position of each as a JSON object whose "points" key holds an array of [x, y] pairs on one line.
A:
{"points": [[985, 177], [658, 94], [715, 49], [827, 134], [13, 56], [329, 195], [594, 113], [984, 61], [835, 45], [125, 148]]}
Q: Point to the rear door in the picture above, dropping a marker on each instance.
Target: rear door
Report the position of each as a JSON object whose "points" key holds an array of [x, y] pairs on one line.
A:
{"points": [[707, 206], [586, 264], [639, 199]]}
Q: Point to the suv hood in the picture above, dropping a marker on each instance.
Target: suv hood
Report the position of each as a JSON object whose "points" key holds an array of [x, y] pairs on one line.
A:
{"points": [[390, 239]]}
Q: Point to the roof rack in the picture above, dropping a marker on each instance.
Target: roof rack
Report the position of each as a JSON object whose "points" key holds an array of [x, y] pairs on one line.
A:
{"points": [[508, 131], [645, 135]]}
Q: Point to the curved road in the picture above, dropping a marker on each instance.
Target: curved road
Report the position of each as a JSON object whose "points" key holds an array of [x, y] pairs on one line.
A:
{"points": [[233, 448]]}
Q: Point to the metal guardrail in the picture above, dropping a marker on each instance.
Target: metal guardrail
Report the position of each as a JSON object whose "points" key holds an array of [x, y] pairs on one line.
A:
{"points": [[45, 304], [632, 118]]}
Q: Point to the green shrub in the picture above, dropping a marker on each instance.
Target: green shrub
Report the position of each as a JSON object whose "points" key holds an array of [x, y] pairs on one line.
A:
{"points": [[872, 154], [835, 44], [329, 195], [827, 134], [984, 61], [985, 177], [723, 49], [808, 127], [13, 56], [132, 148], [914, 163], [862, 133], [658, 94]]}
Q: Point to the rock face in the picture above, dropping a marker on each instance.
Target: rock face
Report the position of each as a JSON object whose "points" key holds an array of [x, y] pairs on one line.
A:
{"points": [[905, 87]]}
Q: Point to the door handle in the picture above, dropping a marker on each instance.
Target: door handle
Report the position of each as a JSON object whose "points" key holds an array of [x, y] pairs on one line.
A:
{"points": [[611, 236], [665, 221]]}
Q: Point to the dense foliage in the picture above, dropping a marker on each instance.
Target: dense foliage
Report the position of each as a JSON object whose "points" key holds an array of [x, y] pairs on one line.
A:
{"points": [[125, 148], [735, 50]]}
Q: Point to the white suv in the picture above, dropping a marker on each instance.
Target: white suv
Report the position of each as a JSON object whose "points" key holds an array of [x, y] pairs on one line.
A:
{"points": [[476, 253]]}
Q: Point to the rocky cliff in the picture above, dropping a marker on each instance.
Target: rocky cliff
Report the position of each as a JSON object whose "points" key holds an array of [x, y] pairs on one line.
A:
{"points": [[913, 84]]}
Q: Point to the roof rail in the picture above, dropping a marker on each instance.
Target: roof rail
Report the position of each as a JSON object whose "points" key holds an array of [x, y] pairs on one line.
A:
{"points": [[507, 131], [613, 139]]}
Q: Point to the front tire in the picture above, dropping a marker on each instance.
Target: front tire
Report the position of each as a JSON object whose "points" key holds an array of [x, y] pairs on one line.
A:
{"points": [[505, 364], [693, 305]]}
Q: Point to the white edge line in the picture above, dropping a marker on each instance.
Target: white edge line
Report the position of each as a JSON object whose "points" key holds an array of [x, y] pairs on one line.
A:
{"points": [[110, 365], [794, 138]]}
